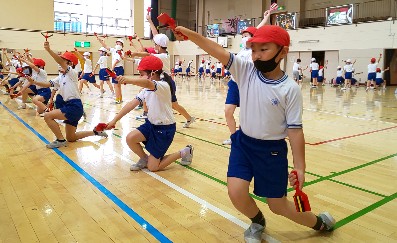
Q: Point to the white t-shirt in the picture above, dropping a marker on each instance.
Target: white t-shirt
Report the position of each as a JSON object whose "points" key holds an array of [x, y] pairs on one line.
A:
{"points": [[116, 56], [165, 58], [103, 62], [314, 66], [246, 54], [320, 72], [296, 67], [67, 85], [202, 65], [219, 65], [339, 73], [267, 107], [208, 65], [40, 76], [379, 74], [372, 67], [348, 68], [159, 103], [88, 66]]}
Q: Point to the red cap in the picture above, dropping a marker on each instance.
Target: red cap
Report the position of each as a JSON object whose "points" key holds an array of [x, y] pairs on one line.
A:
{"points": [[250, 30], [270, 33], [321, 67], [373, 60], [19, 70], [70, 57], [150, 50], [378, 70], [202, 61], [150, 63], [38, 62]]}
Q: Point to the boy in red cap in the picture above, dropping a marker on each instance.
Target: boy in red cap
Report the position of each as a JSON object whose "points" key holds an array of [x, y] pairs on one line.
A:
{"points": [[271, 109], [68, 102], [371, 80], [157, 133]]}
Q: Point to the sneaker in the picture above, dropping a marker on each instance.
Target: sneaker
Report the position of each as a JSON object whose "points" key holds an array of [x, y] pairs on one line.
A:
{"points": [[143, 116], [227, 142], [56, 144], [102, 134], [139, 107], [328, 221], [188, 123], [254, 233], [22, 106], [187, 160], [142, 163]]}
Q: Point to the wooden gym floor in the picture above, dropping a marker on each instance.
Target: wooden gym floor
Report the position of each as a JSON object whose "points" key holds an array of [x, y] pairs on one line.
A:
{"points": [[86, 193]]}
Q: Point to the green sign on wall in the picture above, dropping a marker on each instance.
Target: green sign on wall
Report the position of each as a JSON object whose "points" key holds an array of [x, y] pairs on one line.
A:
{"points": [[82, 44]]}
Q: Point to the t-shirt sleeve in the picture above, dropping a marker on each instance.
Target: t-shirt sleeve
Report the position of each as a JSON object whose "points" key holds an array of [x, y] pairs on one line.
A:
{"points": [[240, 68], [294, 107], [141, 96]]}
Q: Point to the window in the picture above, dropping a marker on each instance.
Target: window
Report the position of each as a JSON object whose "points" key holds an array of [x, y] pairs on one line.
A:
{"points": [[110, 17], [146, 25]]}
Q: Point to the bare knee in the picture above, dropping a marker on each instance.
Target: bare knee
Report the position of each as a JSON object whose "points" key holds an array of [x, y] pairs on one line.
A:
{"points": [[277, 205]]}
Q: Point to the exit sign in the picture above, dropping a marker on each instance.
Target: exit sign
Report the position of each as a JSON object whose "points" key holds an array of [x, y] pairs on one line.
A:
{"points": [[82, 44]]}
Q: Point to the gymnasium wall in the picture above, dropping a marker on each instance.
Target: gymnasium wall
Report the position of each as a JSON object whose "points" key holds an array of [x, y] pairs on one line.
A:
{"points": [[38, 15]]}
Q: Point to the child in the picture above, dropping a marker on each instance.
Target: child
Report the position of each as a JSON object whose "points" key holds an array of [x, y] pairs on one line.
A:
{"points": [[41, 94], [157, 133], [379, 77], [348, 68], [201, 69], [233, 96], [188, 68], [371, 80], [314, 70], [103, 75], [320, 78], [271, 110], [339, 76], [296, 69], [87, 74], [219, 67], [117, 65], [68, 103]]}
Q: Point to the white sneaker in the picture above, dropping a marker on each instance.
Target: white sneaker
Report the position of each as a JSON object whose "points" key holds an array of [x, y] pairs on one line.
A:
{"points": [[227, 142], [143, 116], [254, 233], [139, 165], [328, 221], [188, 123], [22, 106], [187, 159], [56, 144]]}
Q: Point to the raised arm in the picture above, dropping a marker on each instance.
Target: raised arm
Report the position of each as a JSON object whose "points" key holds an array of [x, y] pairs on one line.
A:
{"points": [[152, 27], [62, 62], [102, 43], [30, 63], [141, 49], [380, 56], [211, 47], [124, 111], [265, 20], [78, 55], [39, 83]]}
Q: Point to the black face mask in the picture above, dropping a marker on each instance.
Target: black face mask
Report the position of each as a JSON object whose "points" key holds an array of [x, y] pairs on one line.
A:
{"points": [[269, 65]]}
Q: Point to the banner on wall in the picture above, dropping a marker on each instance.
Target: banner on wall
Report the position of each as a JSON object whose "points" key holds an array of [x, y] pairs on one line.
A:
{"points": [[339, 14], [243, 24], [286, 21], [212, 30]]}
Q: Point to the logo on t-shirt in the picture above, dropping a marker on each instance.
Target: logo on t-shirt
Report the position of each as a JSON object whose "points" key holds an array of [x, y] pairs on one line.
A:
{"points": [[275, 101]]}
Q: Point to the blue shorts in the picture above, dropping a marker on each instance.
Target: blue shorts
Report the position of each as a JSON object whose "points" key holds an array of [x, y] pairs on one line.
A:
{"points": [[87, 77], [180, 70], [264, 160], [319, 78], [353, 81], [119, 72], [213, 74], [103, 75], [379, 81], [13, 81], [314, 73], [339, 80], [72, 109], [219, 70], [348, 75], [173, 86], [371, 76], [207, 71], [187, 70], [1, 76], [201, 70], [158, 137], [176, 70], [233, 94], [43, 92]]}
